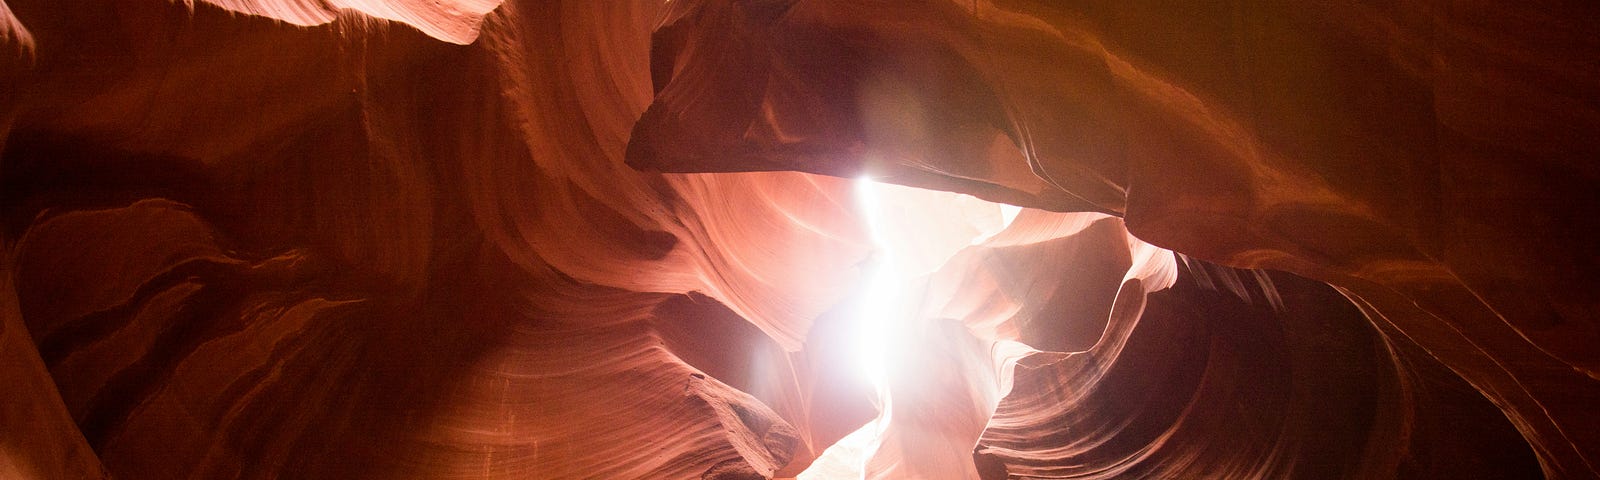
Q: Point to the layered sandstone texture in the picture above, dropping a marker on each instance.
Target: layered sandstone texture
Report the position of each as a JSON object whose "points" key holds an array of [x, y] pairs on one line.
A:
{"points": [[814, 239]]}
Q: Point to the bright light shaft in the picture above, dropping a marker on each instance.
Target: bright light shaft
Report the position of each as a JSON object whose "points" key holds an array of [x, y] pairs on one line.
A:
{"points": [[882, 318], [883, 308], [913, 233]]}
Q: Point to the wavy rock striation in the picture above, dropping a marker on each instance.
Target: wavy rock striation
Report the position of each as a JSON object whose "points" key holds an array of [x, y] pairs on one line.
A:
{"points": [[535, 239], [1425, 159]]}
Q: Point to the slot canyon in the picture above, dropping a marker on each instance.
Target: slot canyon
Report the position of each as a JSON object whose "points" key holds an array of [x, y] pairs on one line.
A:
{"points": [[799, 239]]}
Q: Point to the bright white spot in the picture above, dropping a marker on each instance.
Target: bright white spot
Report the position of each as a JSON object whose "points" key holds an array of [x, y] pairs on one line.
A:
{"points": [[1008, 214], [914, 233], [882, 300]]}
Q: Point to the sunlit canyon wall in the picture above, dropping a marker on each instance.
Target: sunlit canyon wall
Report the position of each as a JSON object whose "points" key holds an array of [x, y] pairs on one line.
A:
{"points": [[727, 240]]}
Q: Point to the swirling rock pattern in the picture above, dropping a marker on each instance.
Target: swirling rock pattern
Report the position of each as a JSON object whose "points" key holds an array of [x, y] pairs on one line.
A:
{"points": [[541, 239]]}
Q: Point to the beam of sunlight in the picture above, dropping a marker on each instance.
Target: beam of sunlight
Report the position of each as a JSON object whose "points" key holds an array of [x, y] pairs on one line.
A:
{"points": [[882, 311], [881, 319], [913, 233]]}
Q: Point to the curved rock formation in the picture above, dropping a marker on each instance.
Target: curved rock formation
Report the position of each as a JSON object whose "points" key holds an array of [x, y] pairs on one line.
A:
{"points": [[533, 239]]}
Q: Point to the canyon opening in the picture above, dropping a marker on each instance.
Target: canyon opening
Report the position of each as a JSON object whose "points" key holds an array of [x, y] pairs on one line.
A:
{"points": [[799, 239]]}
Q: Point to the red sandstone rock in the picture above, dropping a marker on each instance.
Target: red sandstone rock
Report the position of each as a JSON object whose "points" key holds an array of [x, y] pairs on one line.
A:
{"points": [[404, 239]]}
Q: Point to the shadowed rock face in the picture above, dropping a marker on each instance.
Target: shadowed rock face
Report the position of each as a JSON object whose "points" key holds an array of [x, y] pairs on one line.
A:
{"points": [[533, 239]]}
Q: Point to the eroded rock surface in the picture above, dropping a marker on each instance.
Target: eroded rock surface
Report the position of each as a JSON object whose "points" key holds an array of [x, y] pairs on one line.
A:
{"points": [[535, 239]]}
